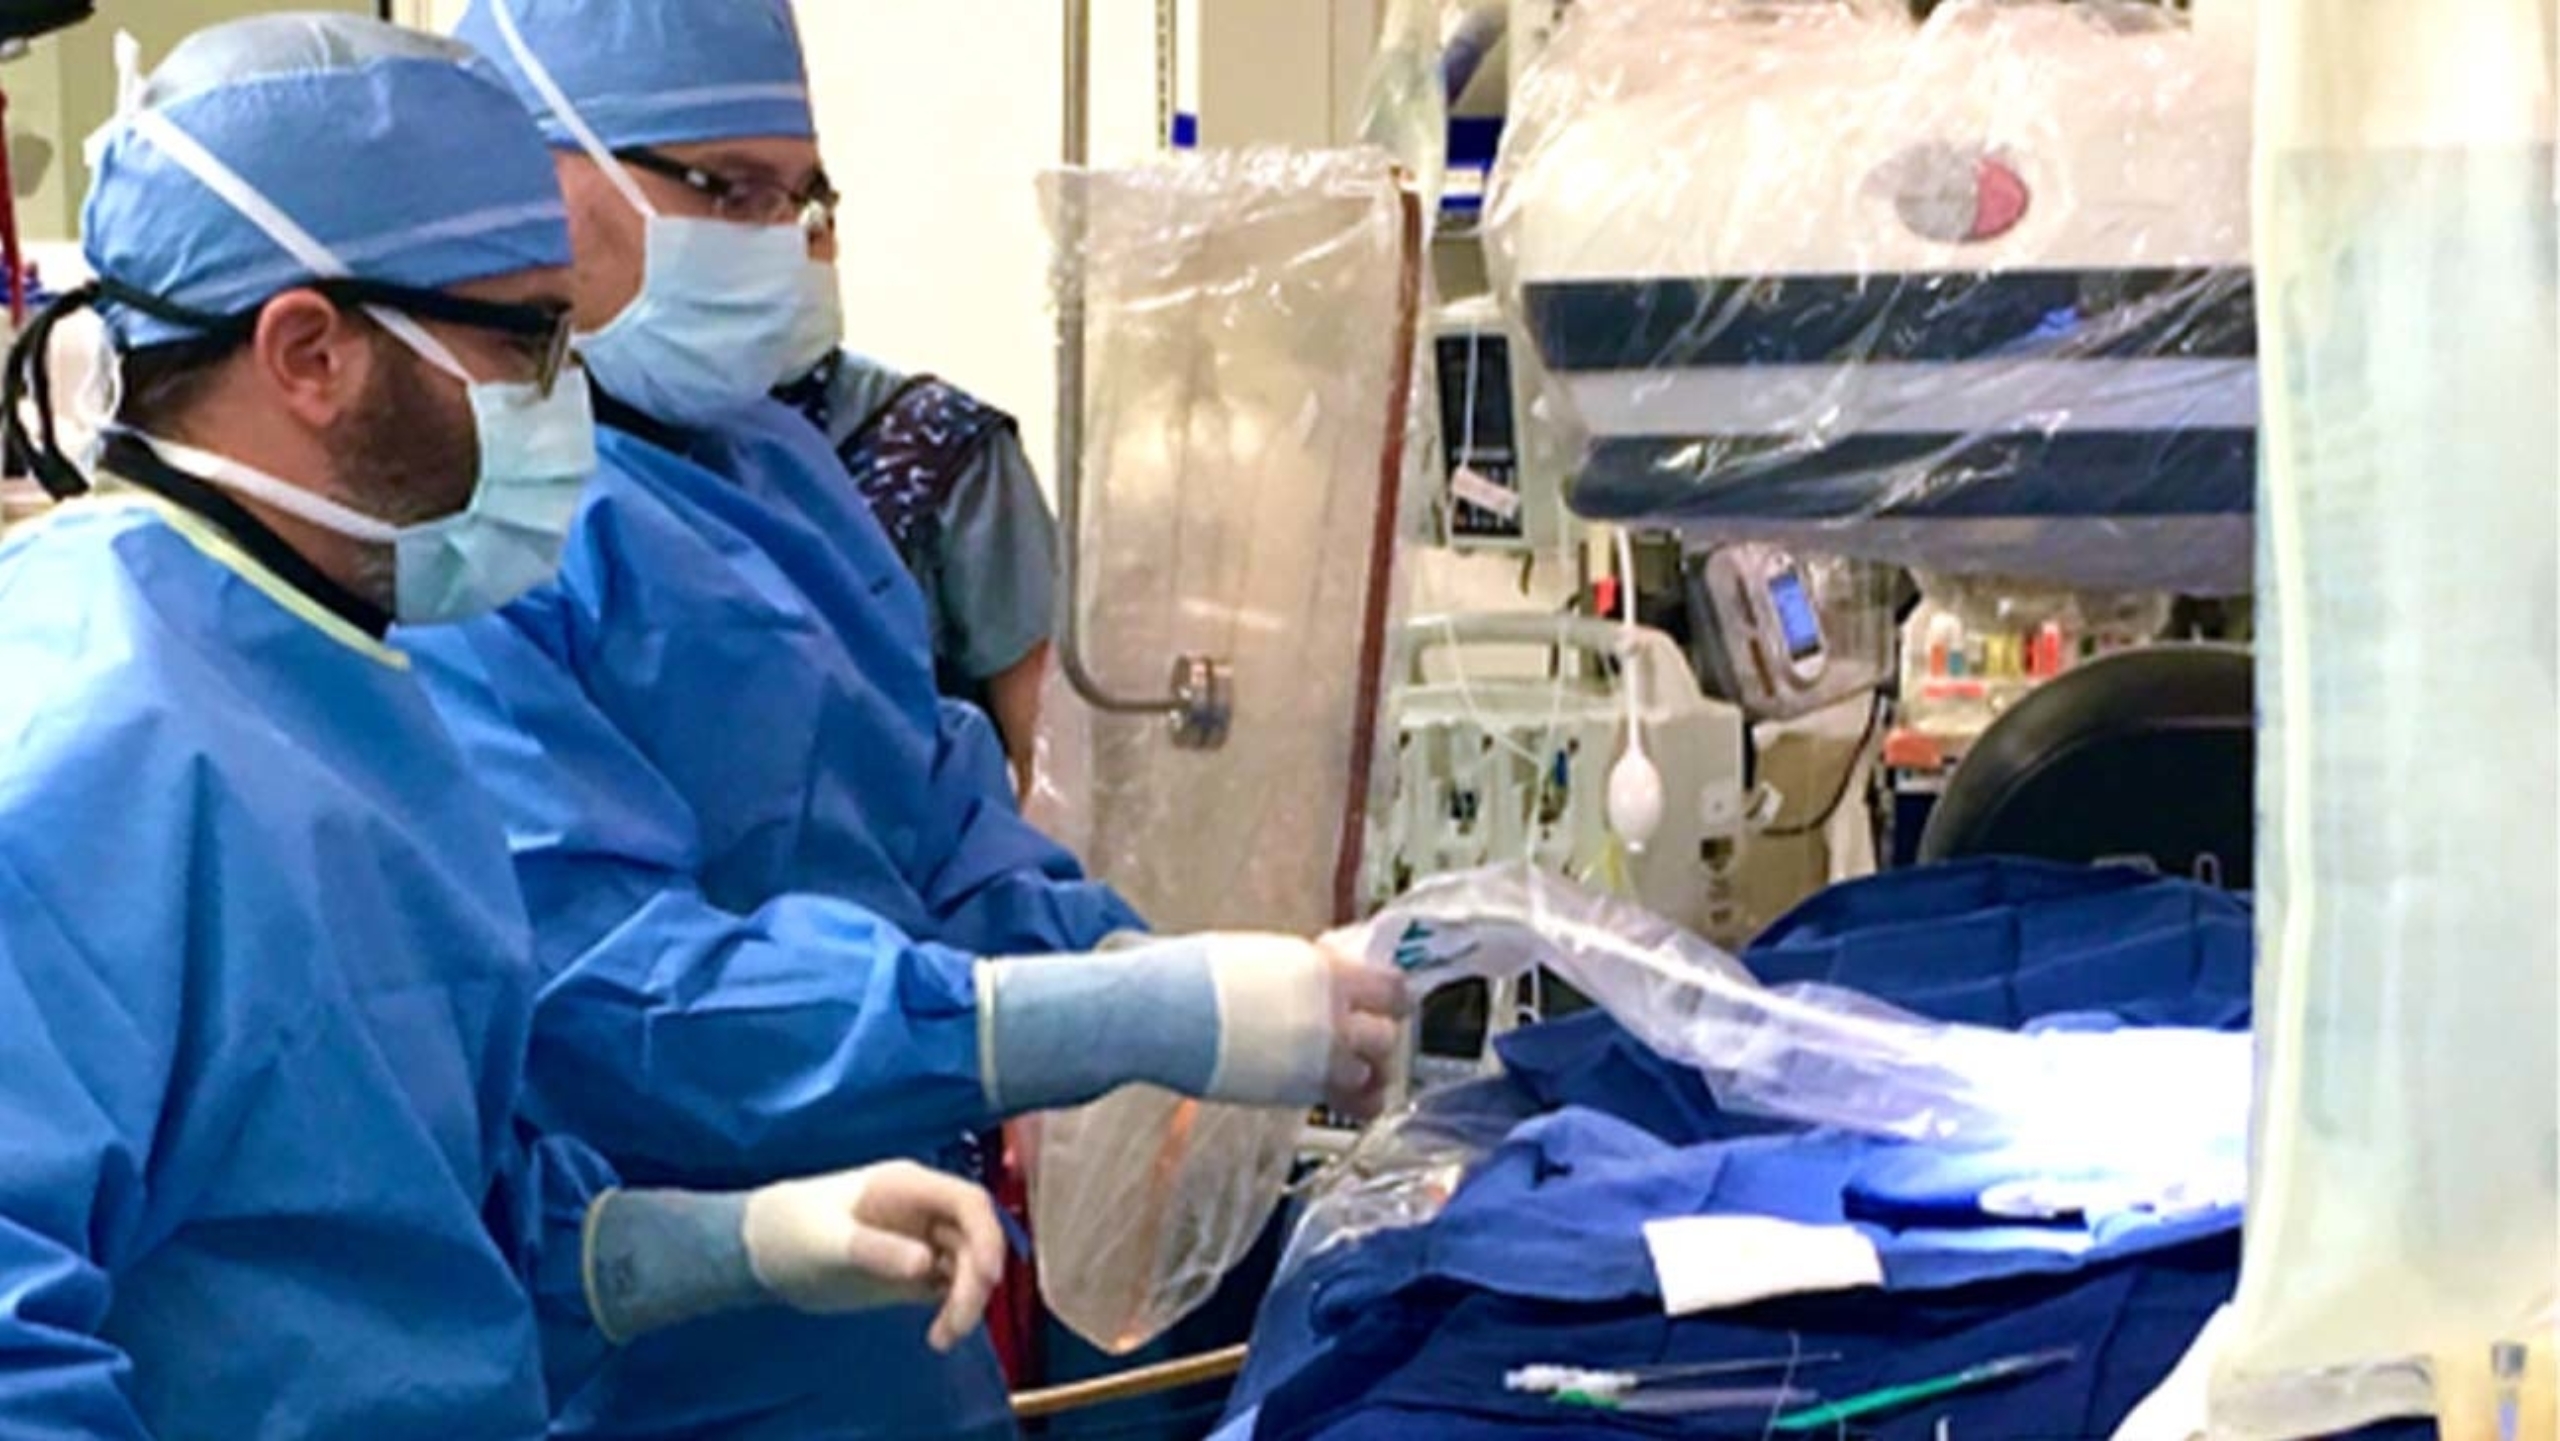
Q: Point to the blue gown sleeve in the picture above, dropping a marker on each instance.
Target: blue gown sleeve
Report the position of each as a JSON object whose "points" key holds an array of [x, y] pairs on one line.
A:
{"points": [[1005, 889], [537, 1214], [76, 1104], [684, 1040], [799, 550]]}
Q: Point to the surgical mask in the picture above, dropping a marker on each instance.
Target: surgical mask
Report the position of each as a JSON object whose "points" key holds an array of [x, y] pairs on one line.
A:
{"points": [[718, 321], [819, 328], [536, 452], [716, 325]]}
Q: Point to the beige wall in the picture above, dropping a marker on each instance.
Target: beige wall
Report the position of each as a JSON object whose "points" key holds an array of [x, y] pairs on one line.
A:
{"points": [[1282, 71], [40, 147], [436, 15], [65, 87], [938, 117]]}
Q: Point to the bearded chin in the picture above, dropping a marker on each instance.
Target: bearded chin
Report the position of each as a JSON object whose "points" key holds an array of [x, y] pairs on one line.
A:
{"points": [[408, 454], [377, 577]]}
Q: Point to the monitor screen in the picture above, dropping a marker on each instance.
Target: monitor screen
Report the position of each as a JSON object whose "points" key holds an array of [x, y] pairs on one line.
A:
{"points": [[1476, 429], [1475, 398], [1796, 618]]}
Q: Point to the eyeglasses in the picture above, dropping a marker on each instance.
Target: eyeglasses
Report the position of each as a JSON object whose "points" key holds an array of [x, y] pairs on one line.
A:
{"points": [[745, 202], [542, 334]]}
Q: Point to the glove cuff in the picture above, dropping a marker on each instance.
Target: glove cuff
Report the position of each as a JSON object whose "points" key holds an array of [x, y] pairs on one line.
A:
{"points": [[1061, 1030], [1275, 1038], [1241, 1018], [655, 1258]]}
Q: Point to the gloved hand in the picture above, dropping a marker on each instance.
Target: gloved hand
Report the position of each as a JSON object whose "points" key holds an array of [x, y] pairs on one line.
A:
{"points": [[1371, 1007], [1302, 1024], [1252, 1018], [883, 1235]]}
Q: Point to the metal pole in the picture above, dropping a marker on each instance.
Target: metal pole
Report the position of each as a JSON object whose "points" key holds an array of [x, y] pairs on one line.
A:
{"points": [[1199, 704], [1077, 102], [1075, 113]]}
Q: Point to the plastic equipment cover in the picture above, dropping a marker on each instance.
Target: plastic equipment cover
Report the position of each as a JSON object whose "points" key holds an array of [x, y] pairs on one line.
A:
{"points": [[1405, 107], [1815, 1054], [1250, 324], [1249, 342], [1971, 295], [1437, 72], [2404, 1217]]}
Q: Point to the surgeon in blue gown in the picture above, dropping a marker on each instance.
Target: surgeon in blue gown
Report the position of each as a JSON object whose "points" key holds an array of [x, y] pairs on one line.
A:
{"points": [[264, 965], [791, 916]]}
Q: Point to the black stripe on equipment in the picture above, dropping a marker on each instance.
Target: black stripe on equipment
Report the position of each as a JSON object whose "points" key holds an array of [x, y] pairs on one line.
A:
{"points": [[2157, 314]]}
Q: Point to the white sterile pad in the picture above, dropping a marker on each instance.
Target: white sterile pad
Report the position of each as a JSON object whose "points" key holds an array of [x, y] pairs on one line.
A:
{"points": [[1707, 1263], [1275, 1020]]}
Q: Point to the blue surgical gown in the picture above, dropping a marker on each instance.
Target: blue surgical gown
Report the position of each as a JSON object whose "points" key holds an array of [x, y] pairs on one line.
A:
{"points": [[263, 984], [761, 855]]}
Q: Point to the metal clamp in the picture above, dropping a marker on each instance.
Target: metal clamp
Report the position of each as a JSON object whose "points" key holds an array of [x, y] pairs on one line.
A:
{"points": [[1204, 690]]}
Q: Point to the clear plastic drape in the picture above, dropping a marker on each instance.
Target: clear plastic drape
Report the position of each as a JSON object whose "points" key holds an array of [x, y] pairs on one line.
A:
{"points": [[2161, 1112], [2404, 1226], [1826, 1056], [1250, 319], [1249, 337]]}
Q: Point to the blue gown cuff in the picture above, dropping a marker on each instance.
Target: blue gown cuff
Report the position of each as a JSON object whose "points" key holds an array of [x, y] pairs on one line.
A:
{"points": [[655, 1258], [1062, 1030]]}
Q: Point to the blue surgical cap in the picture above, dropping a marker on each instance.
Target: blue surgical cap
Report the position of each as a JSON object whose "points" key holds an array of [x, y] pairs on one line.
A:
{"points": [[403, 154], [654, 72]]}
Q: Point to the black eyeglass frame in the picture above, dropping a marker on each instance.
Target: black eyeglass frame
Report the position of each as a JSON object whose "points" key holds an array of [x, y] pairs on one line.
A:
{"points": [[815, 202], [549, 324]]}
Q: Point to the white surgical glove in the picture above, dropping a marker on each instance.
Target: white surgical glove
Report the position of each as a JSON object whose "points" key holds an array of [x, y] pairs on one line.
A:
{"points": [[1251, 1018], [1302, 1025], [885, 1235], [1370, 1008]]}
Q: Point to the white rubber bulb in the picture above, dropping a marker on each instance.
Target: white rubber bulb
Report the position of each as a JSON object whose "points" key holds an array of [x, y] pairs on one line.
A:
{"points": [[1635, 795], [1635, 784]]}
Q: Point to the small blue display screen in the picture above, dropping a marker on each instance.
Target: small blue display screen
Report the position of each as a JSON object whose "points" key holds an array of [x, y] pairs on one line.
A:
{"points": [[1796, 617]]}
